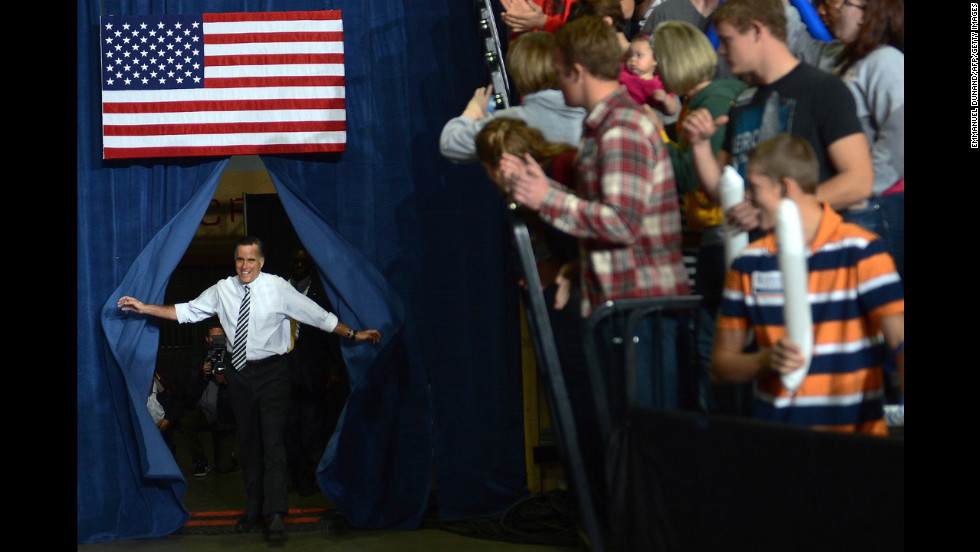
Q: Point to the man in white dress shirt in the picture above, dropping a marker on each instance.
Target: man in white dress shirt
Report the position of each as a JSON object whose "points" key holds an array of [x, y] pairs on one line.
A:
{"points": [[259, 383]]}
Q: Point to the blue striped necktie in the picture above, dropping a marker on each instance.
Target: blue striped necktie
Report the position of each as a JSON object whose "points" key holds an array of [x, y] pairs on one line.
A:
{"points": [[241, 334]]}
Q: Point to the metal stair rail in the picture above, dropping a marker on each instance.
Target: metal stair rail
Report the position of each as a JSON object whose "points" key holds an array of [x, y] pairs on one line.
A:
{"points": [[494, 55], [556, 392], [624, 315]]}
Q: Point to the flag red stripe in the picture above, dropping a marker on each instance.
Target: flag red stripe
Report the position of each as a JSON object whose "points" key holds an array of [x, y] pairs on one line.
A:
{"points": [[223, 128], [226, 105], [271, 16], [239, 38], [246, 82], [130, 153], [273, 59]]}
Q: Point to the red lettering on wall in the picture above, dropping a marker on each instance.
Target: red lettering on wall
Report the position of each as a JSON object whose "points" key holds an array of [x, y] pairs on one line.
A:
{"points": [[217, 219], [235, 200]]}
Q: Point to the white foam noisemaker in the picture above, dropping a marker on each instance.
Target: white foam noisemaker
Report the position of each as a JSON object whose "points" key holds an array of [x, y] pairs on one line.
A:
{"points": [[796, 305], [732, 193]]}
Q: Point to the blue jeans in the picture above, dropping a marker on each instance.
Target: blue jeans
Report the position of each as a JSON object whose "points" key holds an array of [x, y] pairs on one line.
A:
{"points": [[714, 398], [658, 349], [885, 216]]}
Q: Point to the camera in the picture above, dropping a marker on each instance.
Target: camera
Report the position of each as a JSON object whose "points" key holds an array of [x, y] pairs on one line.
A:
{"points": [[216, 355]]}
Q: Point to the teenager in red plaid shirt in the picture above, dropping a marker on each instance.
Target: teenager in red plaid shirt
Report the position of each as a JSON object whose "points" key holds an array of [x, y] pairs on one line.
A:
{"points": [[625, 210]]}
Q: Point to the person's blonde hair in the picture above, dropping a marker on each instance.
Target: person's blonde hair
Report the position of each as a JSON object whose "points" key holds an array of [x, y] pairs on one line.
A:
{"points": [[529, 62], [787, 155], [685, 57]]}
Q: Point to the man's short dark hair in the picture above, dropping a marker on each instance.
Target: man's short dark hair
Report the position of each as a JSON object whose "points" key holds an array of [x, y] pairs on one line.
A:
{"points": [[787, 155], [613, 9], [593, 44], [250, 240], [741, 13]]}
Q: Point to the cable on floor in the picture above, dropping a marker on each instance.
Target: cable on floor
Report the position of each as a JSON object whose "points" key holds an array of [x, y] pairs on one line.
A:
{"points": [[547, 518]]}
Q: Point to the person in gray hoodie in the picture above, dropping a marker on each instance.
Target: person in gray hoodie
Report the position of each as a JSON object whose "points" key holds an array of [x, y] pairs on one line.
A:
{"points": [[869, 55], [529, 64]]}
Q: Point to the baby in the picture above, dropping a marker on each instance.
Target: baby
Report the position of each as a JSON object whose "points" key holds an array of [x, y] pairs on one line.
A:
{"points": [[641, 82]]}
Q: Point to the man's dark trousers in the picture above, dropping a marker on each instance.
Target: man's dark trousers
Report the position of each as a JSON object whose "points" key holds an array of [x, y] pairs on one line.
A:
{"points": [[259, 396]]}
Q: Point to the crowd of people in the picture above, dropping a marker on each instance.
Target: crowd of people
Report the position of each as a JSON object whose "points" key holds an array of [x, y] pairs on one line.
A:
{"points": [[629, 115], [671, 94]]}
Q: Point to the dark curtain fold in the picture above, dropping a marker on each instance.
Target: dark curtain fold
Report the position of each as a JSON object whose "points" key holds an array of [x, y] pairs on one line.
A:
{"points": [[377, 466], [441, 397]]}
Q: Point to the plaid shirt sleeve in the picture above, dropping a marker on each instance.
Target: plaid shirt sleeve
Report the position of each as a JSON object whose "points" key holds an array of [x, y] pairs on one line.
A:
{"points": [[622, 178]]}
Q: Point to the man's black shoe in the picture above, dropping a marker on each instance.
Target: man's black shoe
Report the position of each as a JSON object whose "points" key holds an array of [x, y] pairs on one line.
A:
{"points": [[276, 528], [246, 523]]}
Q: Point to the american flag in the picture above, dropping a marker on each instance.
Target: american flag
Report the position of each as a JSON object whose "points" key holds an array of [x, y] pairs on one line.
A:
{"points": [[222, 84]]}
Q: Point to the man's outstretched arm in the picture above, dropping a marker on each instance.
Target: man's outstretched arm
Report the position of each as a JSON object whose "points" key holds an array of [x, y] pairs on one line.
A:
{"points": [[167, 312]]}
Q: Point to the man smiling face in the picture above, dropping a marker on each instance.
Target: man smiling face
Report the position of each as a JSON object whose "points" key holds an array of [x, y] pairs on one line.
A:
{"points": [[248, 263]]}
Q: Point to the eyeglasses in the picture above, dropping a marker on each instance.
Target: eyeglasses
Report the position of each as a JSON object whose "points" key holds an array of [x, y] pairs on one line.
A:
{"points": [[849, 3]]}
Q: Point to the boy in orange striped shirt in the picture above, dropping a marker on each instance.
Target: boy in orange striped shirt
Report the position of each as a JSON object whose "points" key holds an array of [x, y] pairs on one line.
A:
{"points": [[856, 299]]}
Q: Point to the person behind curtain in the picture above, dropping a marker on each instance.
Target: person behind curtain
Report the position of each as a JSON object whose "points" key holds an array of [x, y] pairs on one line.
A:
{"points": [[261, 305], [209, 409], [869, 55], [686, 62], [319, 383], [165, 407], [542, 105]]}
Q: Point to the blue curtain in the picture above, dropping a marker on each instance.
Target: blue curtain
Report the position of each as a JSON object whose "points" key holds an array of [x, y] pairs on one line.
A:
{"points": [[406, 242]]}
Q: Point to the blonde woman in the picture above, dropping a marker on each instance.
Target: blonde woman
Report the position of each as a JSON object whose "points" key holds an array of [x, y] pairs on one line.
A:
{"points": [[686, 62]]}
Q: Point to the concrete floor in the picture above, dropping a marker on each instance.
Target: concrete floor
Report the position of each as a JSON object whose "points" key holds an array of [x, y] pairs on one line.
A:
{"points": [[421, 540], [225, 492]]}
